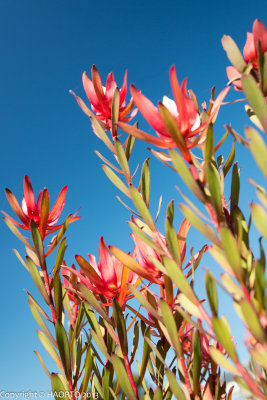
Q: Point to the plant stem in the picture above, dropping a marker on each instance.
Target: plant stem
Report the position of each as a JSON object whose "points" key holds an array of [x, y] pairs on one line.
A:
{"points": [[129, 372]]}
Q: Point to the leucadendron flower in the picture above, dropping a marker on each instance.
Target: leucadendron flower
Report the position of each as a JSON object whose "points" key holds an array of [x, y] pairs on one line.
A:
{"points": [[184, 129], [108, 278], [101, 98], [37, 211], [250, 52]]}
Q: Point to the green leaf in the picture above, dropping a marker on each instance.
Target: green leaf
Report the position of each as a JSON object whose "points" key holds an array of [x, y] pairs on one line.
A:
{"points": [[215, 190], [233, 53], [37, 280], [100, 133], [170, 324], [145, 182], [123, 378], [40, 321], [170, 211], [79, 320], [115, 180], [229, 161], [17, 233], [129, 146], [252, 320], [42, 363], [58, 388], [38, 244], [58, 296], [258, 149], [130, 263], [141, 207], [141, 234], [259, 282], [100, 344], [255, 98], [38, 307], [158, 395], [259, 217], [209, 145], [49, 348], [260, 356], [115, 108], [176, 274], [190, 307], [145, 356], [64, 349], [261, 193], [177, 391], [222, 332], [106, 161], [173, 129], [186, 175], [44, 213], [232, 252], [172, 241], [203, 228], [122, 159], [211, 293], [90, 298], [144, 302], [59, 236], [60, 255], [197, 359], [235, 188], [220, 359], [120, 325], [87, 370]]}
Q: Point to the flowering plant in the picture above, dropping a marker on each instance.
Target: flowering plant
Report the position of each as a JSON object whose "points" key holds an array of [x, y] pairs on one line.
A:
{"points": [[139, 310]]}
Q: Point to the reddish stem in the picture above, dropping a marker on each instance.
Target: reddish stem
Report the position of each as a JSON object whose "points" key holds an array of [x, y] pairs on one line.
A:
{"points": [[187, 382], [250, 382], [48, 291], [129, 372]]}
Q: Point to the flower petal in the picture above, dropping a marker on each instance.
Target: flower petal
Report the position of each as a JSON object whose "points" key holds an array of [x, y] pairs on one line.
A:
{"points": [[106, 266], [249, 50], [260, 33], [149, 111], [162, 143], [123, 91], [15, 206], [110, 88], [29, 195], [58, 206], [90, 91], [99, 91]]}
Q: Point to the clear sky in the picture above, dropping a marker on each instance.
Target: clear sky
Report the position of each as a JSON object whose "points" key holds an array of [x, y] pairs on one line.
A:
{"points": [[45, 46]]}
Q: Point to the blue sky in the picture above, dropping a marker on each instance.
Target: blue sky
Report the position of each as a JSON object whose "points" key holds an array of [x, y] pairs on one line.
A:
{"points": [[45, 46]]}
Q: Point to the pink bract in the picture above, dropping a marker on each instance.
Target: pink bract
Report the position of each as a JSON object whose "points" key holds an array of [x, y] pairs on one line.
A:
{"points": [[32, 210]]}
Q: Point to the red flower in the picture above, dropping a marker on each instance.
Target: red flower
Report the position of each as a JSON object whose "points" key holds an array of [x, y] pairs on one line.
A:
{"points": [[101, 97], [184, 112], [250, 52], [31, 210], [109, 277], [143, 253]]}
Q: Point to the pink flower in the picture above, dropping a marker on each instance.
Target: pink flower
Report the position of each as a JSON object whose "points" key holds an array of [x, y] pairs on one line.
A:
{"points": [[31, 210], [109, 277], [250, 50], [101, 97], [143, 253], [185, 114]]}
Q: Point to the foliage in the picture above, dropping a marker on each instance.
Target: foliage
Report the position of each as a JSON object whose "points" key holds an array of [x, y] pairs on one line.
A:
{"points": [[140, 310]]}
